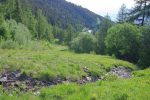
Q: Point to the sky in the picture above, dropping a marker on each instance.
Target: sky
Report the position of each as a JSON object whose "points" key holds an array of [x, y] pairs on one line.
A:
{"points": [[104, 7]]}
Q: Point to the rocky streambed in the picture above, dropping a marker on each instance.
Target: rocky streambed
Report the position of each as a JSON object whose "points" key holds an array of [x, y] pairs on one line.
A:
{"points": [[12, 80], [121, 72]]}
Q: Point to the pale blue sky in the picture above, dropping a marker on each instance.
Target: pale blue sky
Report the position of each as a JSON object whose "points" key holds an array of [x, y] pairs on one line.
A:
{"points": [[102, 7]]}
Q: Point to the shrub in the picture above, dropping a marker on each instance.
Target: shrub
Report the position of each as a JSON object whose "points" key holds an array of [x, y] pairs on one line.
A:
{"points": [[8, 44], [84, 43], [123, 41], [22, 34], [10, 29]]}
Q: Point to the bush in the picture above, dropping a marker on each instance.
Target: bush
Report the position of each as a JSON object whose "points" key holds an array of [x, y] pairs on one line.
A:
{"points": [[123, 41], [8, 28], [84, 43], [22, 34], [18, 32], [8, 44]]}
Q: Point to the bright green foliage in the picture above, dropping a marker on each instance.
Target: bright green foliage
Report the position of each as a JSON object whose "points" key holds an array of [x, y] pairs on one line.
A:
{"points": [[145, 47], [11, 30], [21, 12], [101, 34], [22, 34], [84, 43], [8, 29], [123, 41]]}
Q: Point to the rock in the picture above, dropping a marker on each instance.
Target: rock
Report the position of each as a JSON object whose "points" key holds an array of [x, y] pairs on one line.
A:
{"points": [[121, 72], [80, 82], [36, 93], [89, 79], [3, 79], [23, 77]]}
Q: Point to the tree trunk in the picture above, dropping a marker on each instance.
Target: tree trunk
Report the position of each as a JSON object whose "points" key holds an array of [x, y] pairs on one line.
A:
{"points": [[143, 17]]}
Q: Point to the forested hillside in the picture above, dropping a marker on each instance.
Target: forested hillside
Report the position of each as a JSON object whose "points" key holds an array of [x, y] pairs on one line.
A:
{"points": [[63, 13]]}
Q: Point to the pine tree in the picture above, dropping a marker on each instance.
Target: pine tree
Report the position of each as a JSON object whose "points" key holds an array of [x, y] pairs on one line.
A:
{"points": [[122, 14], [18, 11], [42, 25], [12, 9], [140, 12], [69, 34]]}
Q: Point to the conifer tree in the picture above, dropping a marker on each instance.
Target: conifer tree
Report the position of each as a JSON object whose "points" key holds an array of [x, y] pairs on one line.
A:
{"points": [[140, 12], [122, 14]]}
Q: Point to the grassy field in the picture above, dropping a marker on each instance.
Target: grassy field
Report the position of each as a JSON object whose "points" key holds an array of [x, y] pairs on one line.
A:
{"points": [[56, 61]]}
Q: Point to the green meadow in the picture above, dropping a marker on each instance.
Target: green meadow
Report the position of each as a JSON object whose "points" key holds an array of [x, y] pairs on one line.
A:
{"points": [[57, 61]]}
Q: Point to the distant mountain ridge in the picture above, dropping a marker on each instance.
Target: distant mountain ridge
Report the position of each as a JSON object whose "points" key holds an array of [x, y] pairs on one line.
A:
{"points": [[63, 13]]}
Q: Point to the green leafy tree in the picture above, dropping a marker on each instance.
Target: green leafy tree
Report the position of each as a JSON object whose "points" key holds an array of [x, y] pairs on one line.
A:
{"points": [[84, 43], [123, 41], [145, 47], [102, 33], [8, 28]]}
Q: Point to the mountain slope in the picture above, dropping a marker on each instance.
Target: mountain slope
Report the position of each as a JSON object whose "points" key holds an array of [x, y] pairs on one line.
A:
{"points": [[63, 13]]}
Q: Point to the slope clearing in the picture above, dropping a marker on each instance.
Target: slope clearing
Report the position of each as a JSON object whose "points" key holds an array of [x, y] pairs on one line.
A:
{"points": [[57, 61]]}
